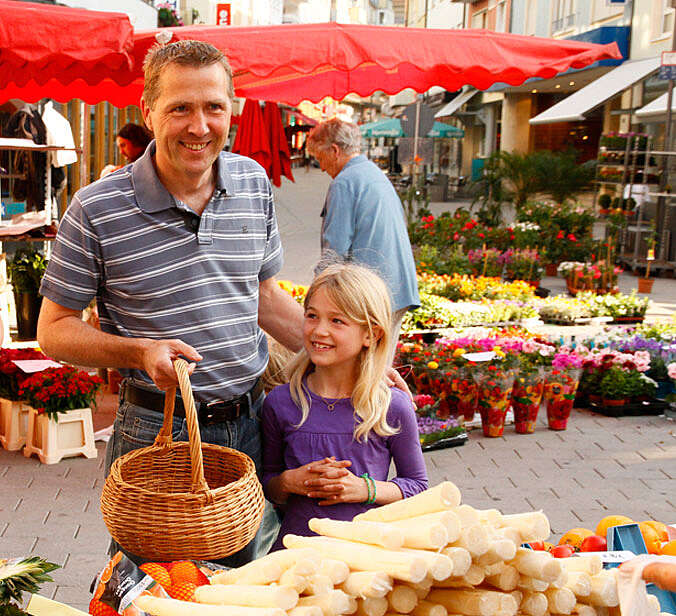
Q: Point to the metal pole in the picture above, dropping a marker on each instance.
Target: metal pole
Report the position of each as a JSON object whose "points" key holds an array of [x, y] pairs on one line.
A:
{"points": [[415, 138]]}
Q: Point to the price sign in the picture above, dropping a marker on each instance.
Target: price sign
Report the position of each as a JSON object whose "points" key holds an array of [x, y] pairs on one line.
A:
{"points": [[615, 557], [651, 254], [224, 14], [668, 65]]}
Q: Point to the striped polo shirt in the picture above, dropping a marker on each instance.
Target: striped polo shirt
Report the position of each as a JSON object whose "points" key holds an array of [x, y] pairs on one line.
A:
{"points": [[158, 270]]}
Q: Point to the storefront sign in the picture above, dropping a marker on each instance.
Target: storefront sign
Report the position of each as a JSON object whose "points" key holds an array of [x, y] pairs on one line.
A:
{"points": [[224, 14], [668, 65]]}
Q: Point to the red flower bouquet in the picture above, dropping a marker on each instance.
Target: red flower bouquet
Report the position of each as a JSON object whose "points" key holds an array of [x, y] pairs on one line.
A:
{"points": [[560, 388], [58, 390], [494, 392], [526, 398], [11, 376]]}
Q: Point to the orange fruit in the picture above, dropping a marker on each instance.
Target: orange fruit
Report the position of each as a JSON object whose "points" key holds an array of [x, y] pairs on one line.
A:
{"points": [[575, 536], [185, 571], [611, 520], [660, 528], [158, 573], [651, 538], [98, 608], [185, 591], [669, 549]]}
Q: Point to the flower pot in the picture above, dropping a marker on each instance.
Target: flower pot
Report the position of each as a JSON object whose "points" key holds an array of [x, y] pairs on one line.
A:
{"points": [[560, 389], [613, 401], [595, 398], [72, 435], [495, 392], [13, 424], [551, 269], [27, 312], [604, 211], [526, 398], [466, 394], [645, 285]]}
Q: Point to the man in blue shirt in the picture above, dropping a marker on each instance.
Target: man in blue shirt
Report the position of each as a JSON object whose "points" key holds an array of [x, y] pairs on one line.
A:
{"points": [[363, 219]]}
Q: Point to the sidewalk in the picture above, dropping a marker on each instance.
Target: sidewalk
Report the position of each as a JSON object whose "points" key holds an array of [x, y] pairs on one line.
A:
{"points": [[599, 466]]}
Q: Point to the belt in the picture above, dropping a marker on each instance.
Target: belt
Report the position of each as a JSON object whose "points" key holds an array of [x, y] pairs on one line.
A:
{"points": [[207, 412]]}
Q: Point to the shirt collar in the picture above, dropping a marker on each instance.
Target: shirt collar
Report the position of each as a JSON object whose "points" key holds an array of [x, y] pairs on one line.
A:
{"points": [[152, 196], [354, 161]]}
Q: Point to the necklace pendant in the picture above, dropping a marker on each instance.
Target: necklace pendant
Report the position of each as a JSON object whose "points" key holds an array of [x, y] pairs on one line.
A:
{"points": [[331, 406]]}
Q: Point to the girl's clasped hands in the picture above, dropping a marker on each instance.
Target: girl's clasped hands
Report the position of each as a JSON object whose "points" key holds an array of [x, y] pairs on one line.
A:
{"points": [[329, 481]]}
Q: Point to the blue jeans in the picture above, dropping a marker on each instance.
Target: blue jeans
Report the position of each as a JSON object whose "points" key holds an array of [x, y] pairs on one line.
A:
{"points": [[137, 427]]}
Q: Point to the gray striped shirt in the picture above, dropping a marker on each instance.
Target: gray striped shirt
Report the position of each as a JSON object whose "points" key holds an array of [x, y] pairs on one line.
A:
{"points": [[158, 270]]}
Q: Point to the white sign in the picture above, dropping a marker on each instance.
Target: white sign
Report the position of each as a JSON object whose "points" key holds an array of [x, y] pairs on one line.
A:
{"points": [[29, 366], [485, 356], [615, 556], [668, 58]]}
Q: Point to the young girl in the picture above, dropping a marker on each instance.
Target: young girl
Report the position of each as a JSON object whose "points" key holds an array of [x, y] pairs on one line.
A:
{"points": [[330, 434]]}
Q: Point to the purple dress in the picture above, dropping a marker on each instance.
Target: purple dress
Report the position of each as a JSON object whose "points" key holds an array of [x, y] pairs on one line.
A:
{"points": [[331, 433]]}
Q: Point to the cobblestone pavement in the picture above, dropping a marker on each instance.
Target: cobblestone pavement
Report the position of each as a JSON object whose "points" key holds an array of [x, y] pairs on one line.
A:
{"points": [[597, 467]]}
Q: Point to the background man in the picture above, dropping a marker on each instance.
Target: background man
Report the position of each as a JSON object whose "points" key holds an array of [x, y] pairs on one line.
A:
{"points": [[363, 216], [180, 251]]}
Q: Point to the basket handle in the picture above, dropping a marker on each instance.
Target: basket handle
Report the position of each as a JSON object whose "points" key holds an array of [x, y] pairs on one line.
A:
{"points": [[164, 438]]}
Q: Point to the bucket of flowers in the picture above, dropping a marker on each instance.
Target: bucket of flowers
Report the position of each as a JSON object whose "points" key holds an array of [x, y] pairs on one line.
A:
{"points": [[522, 264], [494, 376], [435, 431], [529, 384], [561, 386]]}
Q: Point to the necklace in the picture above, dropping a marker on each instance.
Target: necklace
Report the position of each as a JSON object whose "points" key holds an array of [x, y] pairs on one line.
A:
{"points": [[330, 405]]}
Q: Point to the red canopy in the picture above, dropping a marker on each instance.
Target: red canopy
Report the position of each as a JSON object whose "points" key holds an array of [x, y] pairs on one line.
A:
{"points": [[252, 136], [293, 62], [41, 42], [280, 157]]}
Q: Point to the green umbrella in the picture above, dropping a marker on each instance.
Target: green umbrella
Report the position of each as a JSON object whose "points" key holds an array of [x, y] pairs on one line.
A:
{"points": [[391, 127]]}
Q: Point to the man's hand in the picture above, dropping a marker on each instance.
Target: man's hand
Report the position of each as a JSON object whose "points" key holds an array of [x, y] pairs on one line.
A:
{"points": [[158, 361], [394, 379]]}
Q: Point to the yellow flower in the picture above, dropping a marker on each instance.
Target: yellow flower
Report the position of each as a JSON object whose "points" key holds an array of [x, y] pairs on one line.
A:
{"points": [[500, 354], [287, 285], [458, 352], [432, 365]]}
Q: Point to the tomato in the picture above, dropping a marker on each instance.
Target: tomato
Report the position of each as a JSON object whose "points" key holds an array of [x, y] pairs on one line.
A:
{"points": [[562, 551], [593, 543], [537, 545]]}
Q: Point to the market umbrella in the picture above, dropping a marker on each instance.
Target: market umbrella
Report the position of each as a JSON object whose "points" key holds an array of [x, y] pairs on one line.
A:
{"points": [[40, 43], [280, 157], [293, 62], [252, 137], [391, 127]]}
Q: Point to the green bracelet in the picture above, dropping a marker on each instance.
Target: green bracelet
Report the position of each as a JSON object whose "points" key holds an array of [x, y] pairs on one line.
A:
{"points": [[373, 496], [366, 478]]}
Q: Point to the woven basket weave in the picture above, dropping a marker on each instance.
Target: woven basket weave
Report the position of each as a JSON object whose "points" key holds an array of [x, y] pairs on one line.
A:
{"points": [[182, 500]]}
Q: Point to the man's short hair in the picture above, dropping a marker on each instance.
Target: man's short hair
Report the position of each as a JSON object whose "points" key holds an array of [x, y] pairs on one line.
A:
{"points": [[344, 134], [186, 53]]}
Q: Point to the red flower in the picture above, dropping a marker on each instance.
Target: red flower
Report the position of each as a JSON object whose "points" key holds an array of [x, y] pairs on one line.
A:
{"points": [[572, 238], [559, 235]]}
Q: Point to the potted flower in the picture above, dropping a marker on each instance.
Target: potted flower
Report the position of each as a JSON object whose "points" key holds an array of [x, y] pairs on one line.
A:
{"points": [[604, 204], [434, 430], [495, 381], [13, 415], [529, 385], [522, 264], [60, 423], [485, 262], [614, 386], [561, 387], [645, 284], [25, 272]]}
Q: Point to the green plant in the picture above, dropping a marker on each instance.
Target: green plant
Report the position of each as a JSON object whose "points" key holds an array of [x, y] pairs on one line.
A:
{"points": [[415, 200], [561, 176], [25, 271], [614, 383], [18, 576], [167, 17], [489, 193], [604, 201]]}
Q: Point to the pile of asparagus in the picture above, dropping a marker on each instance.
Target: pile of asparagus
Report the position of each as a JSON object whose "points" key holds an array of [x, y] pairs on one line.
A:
{"points": [[427, 555]]}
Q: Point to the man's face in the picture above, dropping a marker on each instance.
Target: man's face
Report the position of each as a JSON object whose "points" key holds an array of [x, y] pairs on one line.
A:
{"points": [[190, 119], [328, 159], [130, 151]]}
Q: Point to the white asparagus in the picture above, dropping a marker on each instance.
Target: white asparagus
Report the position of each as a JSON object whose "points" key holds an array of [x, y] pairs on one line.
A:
{"points": [[414, 528], [431, 536], [439, 498], [333, 603], [337, 570], [499, 550], [423, 588], [534, 604], [532, 584], [603, 590], [260, 571], [371, 606], [474, 539], [161, 606], [505, 580], [470, 602], [537, 564], [590, 563], [364, 584], [361, 557], [493, 569], [583, 610], [297, 581], [461, 559], [518, 596], [305, 610], [283, 597], [306, 560], [508, 532], [533, 526], [373, 533], [427, 608], [579, 582], [654, 605], [560, 581], [402, 599], [439, 566], [318, 584], [490, 517], [508, 605], [467, 515], [560, 600], [474, 576]]}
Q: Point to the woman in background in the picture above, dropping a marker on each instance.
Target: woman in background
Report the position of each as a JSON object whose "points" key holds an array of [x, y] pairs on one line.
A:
{"points": [[132, 141]]}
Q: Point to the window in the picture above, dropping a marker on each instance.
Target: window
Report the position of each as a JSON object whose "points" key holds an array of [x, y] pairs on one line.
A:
{"points": [[500, 12], [531, 18], [667, 17], [479, 19], [601, 10], [563, 15]]}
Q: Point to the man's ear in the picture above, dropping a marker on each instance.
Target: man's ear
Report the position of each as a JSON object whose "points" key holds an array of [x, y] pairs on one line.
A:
{"points": [[145, 110]]}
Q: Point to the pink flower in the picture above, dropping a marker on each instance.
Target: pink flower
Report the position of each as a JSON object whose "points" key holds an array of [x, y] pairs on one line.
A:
{"points": [[671, 370]]}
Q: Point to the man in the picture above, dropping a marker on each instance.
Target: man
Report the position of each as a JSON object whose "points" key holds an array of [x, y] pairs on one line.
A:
{"points": [[363, 216], [180, 251]]}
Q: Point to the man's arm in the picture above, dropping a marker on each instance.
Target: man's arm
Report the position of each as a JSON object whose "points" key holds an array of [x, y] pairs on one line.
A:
{"points": [[63, 335], [280, 315]]}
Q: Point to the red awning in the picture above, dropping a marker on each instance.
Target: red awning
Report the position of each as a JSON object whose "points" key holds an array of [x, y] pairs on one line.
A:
{"points": [[40, 43], [294, 62]]}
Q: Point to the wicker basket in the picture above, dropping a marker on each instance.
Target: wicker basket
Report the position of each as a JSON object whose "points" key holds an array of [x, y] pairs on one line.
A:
{"points": [[183, 500]]}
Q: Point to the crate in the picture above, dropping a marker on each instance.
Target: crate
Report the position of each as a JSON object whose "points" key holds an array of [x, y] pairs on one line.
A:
{"points": [[13, 424]]}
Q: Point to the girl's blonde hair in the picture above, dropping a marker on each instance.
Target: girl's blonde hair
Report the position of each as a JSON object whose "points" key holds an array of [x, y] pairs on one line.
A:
{"points": [[363, 297]]}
